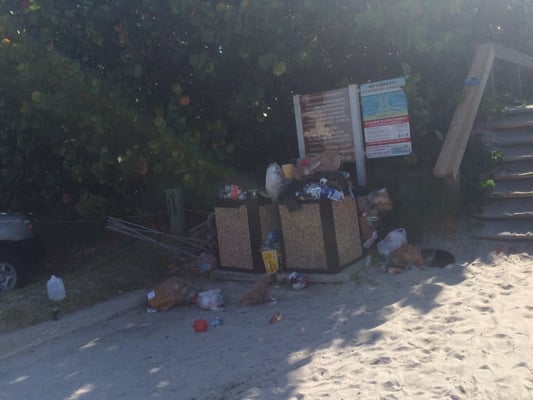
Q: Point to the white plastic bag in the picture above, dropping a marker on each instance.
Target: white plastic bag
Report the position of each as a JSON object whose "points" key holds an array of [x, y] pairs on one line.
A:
{"points": [[392, 241], [274, 180], [211, 300]]}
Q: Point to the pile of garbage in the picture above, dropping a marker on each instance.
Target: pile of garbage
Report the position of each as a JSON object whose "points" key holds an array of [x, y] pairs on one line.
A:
{"points": [[397, 253], [175, 291], [311, 178], [319, 176], [371, 208]]}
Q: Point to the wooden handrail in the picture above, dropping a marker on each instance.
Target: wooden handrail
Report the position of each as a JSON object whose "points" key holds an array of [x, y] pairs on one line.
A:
{"points": [[454, 146]]}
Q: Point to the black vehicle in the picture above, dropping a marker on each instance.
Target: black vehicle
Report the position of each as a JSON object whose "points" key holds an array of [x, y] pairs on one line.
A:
{"points": [[20, 249]]}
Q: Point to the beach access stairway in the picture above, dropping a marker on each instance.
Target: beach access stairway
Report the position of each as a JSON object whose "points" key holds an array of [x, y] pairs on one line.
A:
{"points": [[509, 214]]}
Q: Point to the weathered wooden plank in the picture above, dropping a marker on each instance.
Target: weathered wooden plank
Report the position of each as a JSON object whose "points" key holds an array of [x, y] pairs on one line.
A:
{"points": [[512, 56], [454, 145]]}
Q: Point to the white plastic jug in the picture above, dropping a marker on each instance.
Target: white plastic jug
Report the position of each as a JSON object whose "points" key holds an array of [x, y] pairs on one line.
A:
{"points": [[55, 288]]}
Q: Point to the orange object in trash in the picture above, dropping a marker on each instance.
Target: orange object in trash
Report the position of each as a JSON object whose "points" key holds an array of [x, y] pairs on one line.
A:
{"points": [[289, 171]]}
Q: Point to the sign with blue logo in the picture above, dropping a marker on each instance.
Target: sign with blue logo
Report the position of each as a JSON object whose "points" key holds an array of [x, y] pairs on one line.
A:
{"points": [[385, 119]]}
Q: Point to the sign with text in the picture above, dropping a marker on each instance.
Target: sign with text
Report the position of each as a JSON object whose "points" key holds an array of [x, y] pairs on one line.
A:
{"points": [[385, 119], [325, 120], [331, 121]]}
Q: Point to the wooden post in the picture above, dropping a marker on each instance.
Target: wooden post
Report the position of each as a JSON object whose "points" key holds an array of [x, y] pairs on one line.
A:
{"points": [[453, 183], [519, 77], [176, 210], [454, 145]]}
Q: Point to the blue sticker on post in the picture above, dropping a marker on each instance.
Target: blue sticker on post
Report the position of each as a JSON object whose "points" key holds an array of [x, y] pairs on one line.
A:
{"points": [[472, 81]]}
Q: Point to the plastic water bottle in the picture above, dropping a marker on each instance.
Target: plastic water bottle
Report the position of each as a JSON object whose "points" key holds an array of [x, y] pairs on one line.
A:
{"points": [[55, 288]]}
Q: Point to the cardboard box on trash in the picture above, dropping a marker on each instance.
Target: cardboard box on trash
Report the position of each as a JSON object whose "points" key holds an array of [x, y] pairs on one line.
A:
{"points": [[272, 260], [169, 293]]}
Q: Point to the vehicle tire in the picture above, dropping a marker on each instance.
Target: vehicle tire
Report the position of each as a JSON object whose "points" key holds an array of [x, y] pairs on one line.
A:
{"points": [[11, 272]]}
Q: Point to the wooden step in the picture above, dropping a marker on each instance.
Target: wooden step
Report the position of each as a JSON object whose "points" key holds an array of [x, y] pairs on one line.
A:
{"points": [[508, 208], [513, 170], [503, 229], [509, 137], [513, 188], [519, 117], [509, 216], [518, 152], [528, 108]]}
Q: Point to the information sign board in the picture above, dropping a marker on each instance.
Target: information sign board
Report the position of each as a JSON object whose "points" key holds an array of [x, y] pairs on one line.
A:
{"points": [[331, 121], [385, 119]]}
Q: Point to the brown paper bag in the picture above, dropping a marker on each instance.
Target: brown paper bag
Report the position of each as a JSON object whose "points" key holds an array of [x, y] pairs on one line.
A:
{"points": [[169, 293], [406, 255]]}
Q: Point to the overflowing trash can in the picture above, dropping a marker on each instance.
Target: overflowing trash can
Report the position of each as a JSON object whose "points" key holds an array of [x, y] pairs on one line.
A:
{"points": [[241, 226], [321, 235], [306, 221]]}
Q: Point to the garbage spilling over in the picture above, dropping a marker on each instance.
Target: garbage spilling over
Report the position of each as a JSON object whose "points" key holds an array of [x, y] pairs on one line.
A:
{"points": [[371, 208], [274, 180], [308, 218]]}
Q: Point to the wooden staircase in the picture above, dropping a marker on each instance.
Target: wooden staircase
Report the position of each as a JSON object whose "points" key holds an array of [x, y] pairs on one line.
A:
{"points": [[509, 215]]}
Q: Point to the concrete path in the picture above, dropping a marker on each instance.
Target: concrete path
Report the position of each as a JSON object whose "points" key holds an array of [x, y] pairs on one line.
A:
{"points": [[25, 339]]}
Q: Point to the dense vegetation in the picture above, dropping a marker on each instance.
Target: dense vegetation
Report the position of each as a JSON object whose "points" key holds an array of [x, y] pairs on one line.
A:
{"points": [[115, 100]]}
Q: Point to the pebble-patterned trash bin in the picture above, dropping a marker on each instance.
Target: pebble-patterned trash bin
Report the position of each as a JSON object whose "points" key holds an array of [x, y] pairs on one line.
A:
{"points": [[241, 227], [321, 236]]}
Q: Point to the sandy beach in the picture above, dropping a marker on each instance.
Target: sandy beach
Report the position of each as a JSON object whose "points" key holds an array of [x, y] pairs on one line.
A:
{"points": [[459, 332]]}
